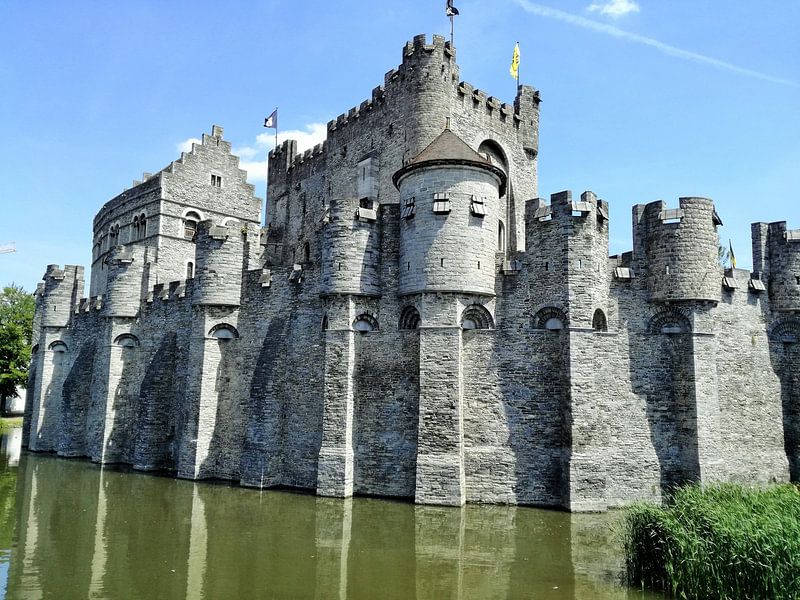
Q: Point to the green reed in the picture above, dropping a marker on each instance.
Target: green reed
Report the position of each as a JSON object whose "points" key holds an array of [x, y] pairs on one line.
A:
{"points": [[721, 541]]}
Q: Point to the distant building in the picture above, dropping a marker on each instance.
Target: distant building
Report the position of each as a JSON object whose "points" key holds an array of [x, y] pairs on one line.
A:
{"points": [[416, 322], [13, 405]]}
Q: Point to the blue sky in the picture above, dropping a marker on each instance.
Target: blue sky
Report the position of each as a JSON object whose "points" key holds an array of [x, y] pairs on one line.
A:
{"points": [[642, 100]]}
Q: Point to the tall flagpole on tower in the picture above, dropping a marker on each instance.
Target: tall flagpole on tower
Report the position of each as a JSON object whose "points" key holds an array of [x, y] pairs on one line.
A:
{"points": [[270, 122], [451, 11]]}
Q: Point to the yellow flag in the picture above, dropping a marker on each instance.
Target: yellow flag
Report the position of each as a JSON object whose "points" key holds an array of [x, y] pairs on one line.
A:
{"points": [[514, 70]]}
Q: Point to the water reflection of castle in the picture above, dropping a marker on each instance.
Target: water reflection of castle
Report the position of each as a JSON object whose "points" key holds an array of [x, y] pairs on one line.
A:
{"points": [[11, 447], [83, 532]]}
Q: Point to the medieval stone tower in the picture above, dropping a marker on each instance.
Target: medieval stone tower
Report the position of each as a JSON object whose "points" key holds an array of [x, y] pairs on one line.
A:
{"points": [[414, 321]]}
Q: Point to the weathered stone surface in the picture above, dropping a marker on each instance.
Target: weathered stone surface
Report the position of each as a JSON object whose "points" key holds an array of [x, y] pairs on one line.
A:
{"points": [[481, 347]]}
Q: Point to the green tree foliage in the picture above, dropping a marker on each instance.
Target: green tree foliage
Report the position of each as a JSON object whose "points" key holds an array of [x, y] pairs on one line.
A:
{"points": [[16, 330]]}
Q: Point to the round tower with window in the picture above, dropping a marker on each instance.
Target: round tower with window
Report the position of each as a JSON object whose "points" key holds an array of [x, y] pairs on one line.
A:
{"points": [[449, 219]]}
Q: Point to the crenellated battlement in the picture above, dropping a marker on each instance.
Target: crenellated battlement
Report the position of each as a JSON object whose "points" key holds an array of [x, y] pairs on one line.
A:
{"points": [[60, 293], [562, 207], [680, 249], [90, 304], [124, 280], [418, 47], [174, 291], [776, 260]]}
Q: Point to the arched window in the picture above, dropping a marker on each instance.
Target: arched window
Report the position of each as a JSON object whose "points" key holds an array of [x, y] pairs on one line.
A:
{"points": [[135, 230], [113, 235], [58, 346], [189, 270], [325, 322], [126, 340], [306, 252], [476, 316], [669, 321], [223, 331], [501, 237], [190, 221], [599, 322], [492, 151], [365, 323], [409, 318], [786, 331], [550, 318], [142, 227]]}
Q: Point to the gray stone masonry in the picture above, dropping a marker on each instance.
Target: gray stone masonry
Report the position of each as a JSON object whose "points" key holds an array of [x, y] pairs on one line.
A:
{"points": [[415, 322]]}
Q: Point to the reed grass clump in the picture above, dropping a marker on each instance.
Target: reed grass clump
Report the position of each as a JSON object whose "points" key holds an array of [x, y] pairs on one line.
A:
{"points": [[722, 541]]}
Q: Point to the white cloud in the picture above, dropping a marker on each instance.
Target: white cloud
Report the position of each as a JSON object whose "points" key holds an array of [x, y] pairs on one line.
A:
{"points": [[254, 157], [186, 146], [256, 170], [614, 8], [578, 21]]}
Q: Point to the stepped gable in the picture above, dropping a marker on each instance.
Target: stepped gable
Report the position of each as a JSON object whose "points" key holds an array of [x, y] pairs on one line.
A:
{"points": [[449, 149]]}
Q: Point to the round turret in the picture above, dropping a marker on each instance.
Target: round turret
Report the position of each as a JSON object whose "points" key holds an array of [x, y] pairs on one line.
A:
{"points": [[681, 247], [783, 255], [219, 255], [124, 281], [62, 287], [429, 77], [449, 197], [351, 248]]}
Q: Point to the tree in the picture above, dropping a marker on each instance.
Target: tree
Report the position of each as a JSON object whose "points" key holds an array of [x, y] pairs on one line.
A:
{"points": [[16, 332]]}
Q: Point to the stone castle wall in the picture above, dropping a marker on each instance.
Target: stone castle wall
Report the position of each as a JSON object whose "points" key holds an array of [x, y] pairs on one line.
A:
{"points": [[349, 349]]}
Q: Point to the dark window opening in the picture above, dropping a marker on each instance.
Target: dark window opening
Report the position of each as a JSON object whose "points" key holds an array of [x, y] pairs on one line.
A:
{"points": [[599, 321], [409, 208], [190, 222]]}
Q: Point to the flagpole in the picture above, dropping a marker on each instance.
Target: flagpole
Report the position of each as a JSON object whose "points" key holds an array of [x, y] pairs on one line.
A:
{"points": [[276, 128], [452, 43]]}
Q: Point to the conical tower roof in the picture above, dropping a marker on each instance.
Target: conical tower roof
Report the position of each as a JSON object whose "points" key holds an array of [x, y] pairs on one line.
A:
{"points": [[449, 149]]}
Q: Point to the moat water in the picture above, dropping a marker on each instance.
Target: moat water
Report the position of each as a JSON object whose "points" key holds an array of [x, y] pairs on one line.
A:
{"points": [[69, 529]]}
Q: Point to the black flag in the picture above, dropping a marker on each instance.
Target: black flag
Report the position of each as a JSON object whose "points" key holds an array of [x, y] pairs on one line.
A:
{"points": [[450, 10]]}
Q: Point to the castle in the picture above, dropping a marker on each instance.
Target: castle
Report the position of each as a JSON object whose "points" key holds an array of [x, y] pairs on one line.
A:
{"points": [[415, 322]]}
